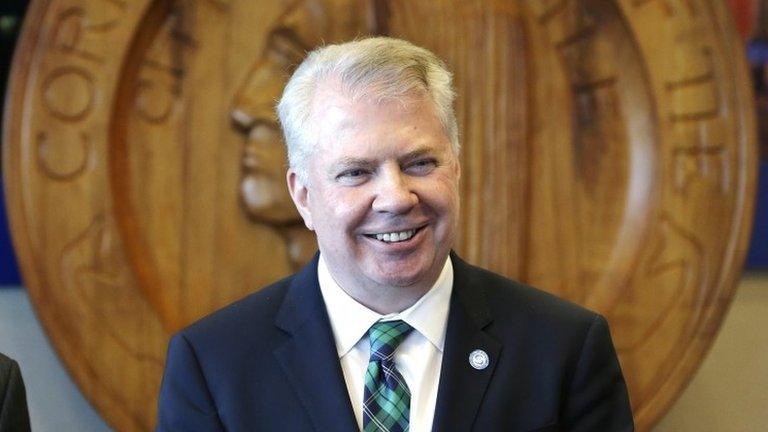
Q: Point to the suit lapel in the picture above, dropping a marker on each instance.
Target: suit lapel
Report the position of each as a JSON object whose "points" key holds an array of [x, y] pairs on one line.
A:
{"points": [[462, 387], [309, 358]]}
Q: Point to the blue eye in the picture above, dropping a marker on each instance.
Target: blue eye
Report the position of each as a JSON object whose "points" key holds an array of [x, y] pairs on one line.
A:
{"points": [[352, 173], [421, 166], [352, 176]]}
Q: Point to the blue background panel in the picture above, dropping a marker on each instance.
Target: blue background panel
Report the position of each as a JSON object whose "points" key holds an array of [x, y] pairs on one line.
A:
{"points": [[758, 249], [9, 271], [11, 13]]}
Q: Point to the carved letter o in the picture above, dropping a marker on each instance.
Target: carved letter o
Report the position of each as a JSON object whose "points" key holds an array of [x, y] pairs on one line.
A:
{"points": [[69, 93]]}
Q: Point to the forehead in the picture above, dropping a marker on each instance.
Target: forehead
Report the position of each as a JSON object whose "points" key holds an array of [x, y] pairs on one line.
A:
{"points": [[333, 91], [337, 114]]}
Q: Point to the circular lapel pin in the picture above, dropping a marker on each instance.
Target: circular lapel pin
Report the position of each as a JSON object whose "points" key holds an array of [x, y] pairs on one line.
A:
{"points": [[478, 359]]}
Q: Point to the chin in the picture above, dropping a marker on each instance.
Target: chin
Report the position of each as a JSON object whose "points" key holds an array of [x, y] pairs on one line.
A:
{"points": [[397, 278], [401, 282]]}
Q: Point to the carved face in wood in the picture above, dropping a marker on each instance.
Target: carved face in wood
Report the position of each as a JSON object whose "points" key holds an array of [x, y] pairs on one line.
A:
{"points": [[262, 186], [382, 194], [304, 25]]}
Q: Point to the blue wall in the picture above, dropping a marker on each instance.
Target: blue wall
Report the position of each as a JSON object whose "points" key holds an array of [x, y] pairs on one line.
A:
{"points": [[9, 273], [11, 12], [758, 250]]}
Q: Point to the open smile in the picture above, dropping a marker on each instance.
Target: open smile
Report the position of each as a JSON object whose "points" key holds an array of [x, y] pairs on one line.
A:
{"points": [[395, 236]]}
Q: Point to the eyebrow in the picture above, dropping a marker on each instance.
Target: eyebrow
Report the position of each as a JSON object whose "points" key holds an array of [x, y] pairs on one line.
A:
{"points": [[419, 152], [350, 162]]}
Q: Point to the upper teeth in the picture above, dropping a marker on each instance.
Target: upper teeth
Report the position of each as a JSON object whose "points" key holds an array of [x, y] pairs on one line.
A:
{"points": [[396, 236]]}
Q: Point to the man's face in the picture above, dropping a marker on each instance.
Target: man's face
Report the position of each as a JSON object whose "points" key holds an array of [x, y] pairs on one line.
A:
{"points": [[382, 193]]}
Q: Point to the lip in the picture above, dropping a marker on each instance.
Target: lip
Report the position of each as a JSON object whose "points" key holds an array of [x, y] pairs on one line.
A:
{"points": [[371, 232], [402, 246]]}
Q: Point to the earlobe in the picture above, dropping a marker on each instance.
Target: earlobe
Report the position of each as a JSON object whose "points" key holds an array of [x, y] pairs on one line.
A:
{"points": [[300, 196], [457, 169]]}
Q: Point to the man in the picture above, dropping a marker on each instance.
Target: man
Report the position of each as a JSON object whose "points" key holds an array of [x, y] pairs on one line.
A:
{"points": [[386, 329], [14, 416]]}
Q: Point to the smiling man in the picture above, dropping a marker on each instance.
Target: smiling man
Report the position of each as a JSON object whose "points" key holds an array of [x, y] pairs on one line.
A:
{"points": [[386, 329], [380, 191]]}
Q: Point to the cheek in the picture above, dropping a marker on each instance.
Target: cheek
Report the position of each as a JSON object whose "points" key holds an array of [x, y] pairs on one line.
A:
{"points": [[340, 210], [352, 209], [445, 193]]}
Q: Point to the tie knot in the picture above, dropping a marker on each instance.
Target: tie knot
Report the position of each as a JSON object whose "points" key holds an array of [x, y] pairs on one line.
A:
{"points": [[385, 337]]}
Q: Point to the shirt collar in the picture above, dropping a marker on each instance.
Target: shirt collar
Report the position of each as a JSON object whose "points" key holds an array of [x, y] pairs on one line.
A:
{"points": [[351, 320]]}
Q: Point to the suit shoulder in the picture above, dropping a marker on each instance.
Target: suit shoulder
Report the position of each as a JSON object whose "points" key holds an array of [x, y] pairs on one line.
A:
{"points": [[510, 298], [7, 365], [548, 326], [249, 315]]}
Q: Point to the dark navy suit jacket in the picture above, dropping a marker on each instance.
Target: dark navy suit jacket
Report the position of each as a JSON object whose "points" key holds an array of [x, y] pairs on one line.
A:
{"points": [[269, 363], [14, 416]]}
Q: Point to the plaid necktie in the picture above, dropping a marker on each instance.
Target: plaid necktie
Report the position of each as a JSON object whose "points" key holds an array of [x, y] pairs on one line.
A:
{"points": [[386, 400]]}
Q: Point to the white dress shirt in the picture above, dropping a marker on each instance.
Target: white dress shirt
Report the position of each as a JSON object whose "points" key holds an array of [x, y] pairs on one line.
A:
{"points": [[418, 358]]}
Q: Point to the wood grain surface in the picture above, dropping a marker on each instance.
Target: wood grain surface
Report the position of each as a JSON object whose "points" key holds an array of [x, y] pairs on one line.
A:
{"points": [[607, 148]]}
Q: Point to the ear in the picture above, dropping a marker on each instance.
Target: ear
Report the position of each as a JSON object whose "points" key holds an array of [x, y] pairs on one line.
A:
{"points": [[300, 196], [456, 168]]}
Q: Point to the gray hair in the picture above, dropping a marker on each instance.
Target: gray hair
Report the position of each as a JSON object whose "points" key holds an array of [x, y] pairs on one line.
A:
{"points": [[379, 67]]}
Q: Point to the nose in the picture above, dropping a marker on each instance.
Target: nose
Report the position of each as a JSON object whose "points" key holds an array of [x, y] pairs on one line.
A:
{"points": [[394, 192], [255, 98]]}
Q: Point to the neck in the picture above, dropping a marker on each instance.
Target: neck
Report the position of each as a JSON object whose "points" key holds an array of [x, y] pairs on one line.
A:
{"points": [[382, 298], [388, 300]]}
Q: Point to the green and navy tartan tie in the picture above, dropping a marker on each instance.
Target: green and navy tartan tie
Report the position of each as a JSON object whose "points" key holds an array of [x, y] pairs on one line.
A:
{"points": [[386, 400]]}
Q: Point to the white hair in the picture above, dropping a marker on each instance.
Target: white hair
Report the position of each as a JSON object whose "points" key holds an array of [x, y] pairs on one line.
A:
{"points": [[380, 68]]}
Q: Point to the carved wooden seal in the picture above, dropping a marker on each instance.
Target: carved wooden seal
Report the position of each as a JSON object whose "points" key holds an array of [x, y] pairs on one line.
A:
{"points": [[607, 148]]}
